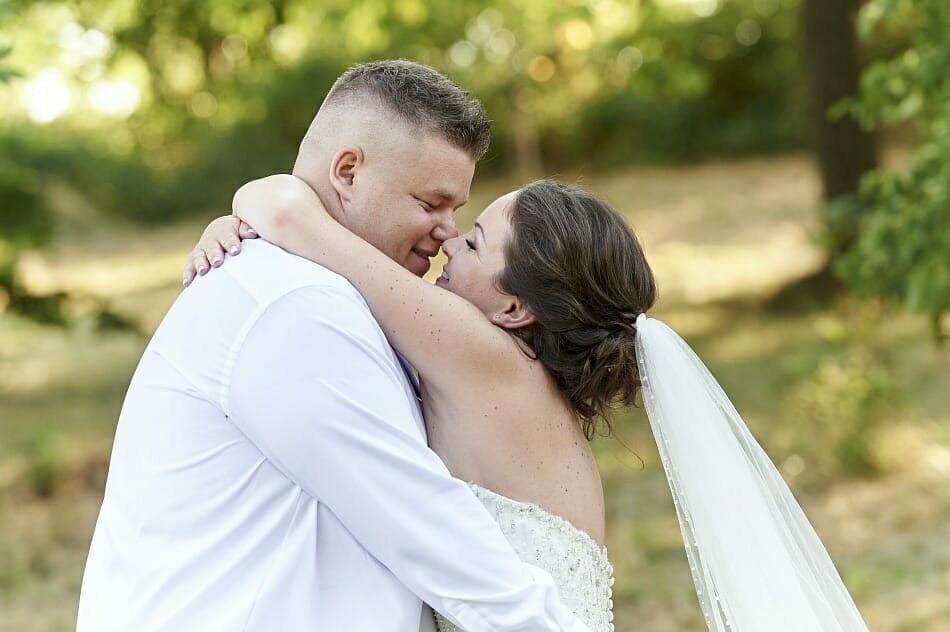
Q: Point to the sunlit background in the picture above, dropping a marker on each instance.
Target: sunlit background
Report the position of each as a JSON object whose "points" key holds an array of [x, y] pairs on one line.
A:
{"points": [[785, 162]]}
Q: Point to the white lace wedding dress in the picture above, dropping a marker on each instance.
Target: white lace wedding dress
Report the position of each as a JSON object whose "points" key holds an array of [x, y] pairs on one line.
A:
{"points": [[577, 563]]}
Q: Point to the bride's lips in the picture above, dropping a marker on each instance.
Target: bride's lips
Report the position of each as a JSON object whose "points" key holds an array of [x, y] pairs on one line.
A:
{"points": [[443, 278]]}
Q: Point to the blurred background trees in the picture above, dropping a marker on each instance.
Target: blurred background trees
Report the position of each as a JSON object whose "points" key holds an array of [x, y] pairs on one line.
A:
{"points": [[156, 111], [163, 103], [902, 250]]}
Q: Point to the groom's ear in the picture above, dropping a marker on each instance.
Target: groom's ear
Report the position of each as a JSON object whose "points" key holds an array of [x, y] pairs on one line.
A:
{"points": [[343, 170]]}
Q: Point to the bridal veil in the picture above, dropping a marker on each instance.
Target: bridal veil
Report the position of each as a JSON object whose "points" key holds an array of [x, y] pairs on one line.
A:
{"points": [[757, 562]]}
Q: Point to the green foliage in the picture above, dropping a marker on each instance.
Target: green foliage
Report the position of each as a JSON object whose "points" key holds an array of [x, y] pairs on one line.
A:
{"points": [[656, 83], [6, 74], [903, 248], [706, 93], [10, 573], [225, 90], [842, 403], [43, 463], [24, 216]]}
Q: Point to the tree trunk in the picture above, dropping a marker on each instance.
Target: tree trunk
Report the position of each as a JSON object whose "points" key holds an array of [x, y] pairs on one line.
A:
{"points": [[845, 151]]}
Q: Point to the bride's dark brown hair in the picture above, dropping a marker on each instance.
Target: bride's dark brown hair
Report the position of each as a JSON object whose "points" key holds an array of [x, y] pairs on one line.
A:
{"points": [[580, 269]]}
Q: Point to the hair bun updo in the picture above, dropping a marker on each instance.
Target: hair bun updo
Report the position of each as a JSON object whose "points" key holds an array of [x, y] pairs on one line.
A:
{"points": [[579, 267]]}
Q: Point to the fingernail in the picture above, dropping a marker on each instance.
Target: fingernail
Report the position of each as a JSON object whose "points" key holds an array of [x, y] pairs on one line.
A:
{"points": [[251, 231], [215, 261], [184, 282], [202, 269], [233, 250]]}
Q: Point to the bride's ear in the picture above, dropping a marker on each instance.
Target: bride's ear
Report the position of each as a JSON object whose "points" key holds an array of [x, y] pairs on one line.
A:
{"points": [[515, 315], [343, 170]]}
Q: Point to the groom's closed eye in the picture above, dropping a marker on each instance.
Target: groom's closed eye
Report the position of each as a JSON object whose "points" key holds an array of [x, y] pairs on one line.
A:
{"points": [[429, 206], [439, 198]]}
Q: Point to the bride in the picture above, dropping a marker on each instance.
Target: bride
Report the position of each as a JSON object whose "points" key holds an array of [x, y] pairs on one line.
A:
{"points": [[534, 332]]}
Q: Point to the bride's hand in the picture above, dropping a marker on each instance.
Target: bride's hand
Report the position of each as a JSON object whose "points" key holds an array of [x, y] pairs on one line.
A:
{"points": [[223, 234], [276, 206]]}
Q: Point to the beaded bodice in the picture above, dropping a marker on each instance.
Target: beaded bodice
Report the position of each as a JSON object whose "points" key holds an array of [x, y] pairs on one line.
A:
{"points": [[577, 563]]}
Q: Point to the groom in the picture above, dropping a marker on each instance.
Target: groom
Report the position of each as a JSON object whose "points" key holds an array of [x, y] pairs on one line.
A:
{"points": [[270, 468]]}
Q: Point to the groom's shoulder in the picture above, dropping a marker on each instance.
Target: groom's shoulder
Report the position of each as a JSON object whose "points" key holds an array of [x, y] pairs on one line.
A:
{"points": [[269, 272]]}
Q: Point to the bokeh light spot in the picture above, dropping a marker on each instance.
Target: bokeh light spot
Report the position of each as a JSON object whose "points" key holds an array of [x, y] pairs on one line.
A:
{"points": [[705, 8], [203, 104], [748, 32], [500, 44], [46, 97], [463, 54], [578, 34], [115, 99], [541, 68], [630, 58]]}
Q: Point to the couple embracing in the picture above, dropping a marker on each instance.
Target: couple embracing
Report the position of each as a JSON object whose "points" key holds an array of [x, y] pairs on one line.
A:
{"points": [[279, 465]]}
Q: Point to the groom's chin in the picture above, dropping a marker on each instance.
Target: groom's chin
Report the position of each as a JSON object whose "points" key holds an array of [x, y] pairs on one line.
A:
{"points": [[417, 264]]}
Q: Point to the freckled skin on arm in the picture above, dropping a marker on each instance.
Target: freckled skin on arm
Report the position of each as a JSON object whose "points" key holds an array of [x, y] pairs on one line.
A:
{"points": [[298, 223]]}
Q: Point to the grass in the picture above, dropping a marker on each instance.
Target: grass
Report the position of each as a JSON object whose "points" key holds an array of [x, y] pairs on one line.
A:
{"points": [[850, 401]]}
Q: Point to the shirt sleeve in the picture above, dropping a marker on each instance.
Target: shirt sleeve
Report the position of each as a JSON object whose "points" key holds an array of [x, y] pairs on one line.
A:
{"points": [[315, 388]]}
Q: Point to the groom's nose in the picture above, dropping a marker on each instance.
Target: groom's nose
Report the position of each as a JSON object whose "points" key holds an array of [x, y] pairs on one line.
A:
{"points": [[445, 229]]}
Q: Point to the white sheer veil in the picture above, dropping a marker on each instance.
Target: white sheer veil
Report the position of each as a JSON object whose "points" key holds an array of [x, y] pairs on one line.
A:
{"points": [[757, 562]]}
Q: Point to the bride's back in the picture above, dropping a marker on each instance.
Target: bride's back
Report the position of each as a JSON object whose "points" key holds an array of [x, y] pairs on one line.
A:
{"points": [[520, 438]]}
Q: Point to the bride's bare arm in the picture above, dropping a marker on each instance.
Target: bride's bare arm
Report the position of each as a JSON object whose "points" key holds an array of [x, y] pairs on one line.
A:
{"points": [[440, 333]]}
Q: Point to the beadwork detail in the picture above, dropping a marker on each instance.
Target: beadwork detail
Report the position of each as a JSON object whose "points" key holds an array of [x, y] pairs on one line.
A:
{"points": [[577, 563]]}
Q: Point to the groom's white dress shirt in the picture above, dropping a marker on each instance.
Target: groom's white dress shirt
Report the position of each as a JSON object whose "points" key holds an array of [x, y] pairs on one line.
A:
{"points": [[270, 472]]}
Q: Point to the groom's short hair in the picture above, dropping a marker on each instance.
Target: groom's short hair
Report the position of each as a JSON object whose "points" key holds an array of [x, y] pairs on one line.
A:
{"points": [[421, 97]]}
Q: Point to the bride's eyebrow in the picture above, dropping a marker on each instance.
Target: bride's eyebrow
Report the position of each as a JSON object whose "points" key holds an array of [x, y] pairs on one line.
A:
{"points": [[479, 227]]}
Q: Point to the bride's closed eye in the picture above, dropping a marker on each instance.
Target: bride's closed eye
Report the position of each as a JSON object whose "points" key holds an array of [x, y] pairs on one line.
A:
{"points": [[470, 243]]}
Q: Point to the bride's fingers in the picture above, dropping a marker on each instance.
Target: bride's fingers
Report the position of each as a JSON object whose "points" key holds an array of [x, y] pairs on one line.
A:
{"points": [[231, 243], [246, 232], [188, 274], [221, 235], [214, 251], [196, 265], [200, 262]]}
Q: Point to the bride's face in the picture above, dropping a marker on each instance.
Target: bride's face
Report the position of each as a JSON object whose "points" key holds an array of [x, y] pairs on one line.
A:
{"points": [[477, 258]]}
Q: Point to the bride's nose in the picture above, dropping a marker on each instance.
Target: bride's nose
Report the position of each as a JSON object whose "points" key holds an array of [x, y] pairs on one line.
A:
{"points": [[450, 246]]}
